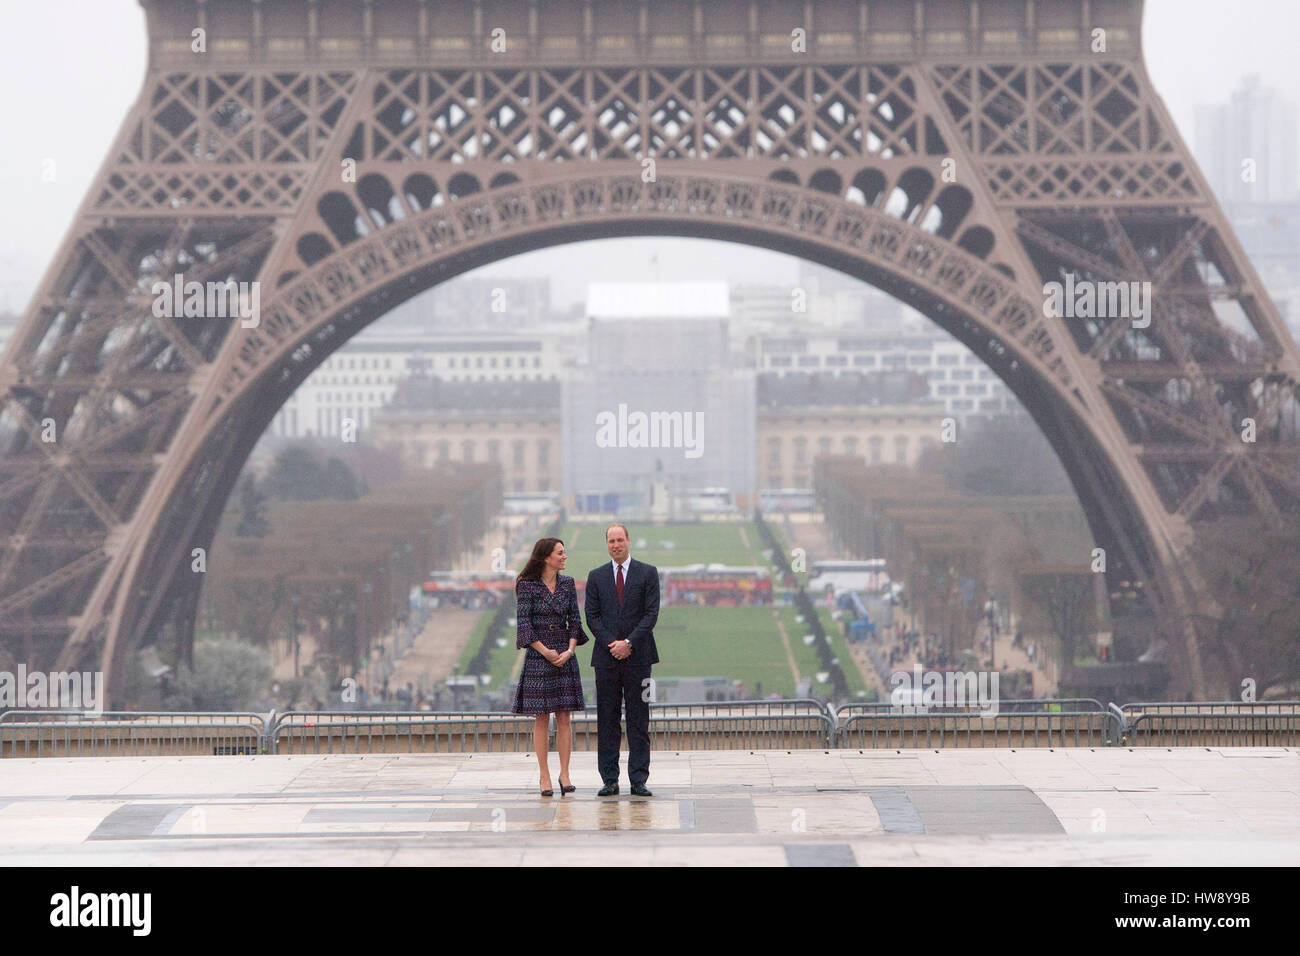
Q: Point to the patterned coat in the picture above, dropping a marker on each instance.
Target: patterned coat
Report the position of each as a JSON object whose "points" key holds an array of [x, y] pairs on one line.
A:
{"points": [[540, 613], [552, 619]]}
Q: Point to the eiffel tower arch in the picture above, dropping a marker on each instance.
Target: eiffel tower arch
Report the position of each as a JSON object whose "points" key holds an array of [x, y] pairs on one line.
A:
{"points": [[346, 156]]}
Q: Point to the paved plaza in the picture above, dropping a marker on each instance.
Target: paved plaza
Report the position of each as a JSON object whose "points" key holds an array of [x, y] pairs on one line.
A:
{"points": [[1102, 807]]}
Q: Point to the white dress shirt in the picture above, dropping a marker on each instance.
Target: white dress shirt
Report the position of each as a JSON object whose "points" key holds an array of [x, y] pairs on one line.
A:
{"points": [[615, 565]]}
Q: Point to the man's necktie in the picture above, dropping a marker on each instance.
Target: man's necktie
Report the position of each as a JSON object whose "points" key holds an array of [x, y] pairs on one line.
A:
{"points": [[618, 583]]}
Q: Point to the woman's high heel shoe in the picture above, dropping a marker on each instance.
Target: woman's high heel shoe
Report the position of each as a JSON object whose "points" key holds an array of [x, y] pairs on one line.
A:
{"points": [[564, 789], [548, 793]]}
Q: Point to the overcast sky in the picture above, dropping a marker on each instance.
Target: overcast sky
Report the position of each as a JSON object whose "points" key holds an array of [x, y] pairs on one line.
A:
{"points": [[72, 68]]}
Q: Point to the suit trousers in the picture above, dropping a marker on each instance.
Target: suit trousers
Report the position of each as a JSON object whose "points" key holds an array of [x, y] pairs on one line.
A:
{"points": [[623, 686]]}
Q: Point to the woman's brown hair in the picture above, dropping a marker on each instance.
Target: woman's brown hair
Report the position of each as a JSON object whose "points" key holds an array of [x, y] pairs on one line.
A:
{"points": [[541, 551]]}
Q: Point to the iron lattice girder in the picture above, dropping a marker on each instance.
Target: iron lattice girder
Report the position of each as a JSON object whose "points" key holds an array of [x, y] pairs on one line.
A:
{"points": [[223, 170], [75, 477], [1162, 371], [46, 625], [110, 485], [67, 541], [1276, 462], [66, 574], [1190, 426], [103, 438], [1181, 453], [51, 382], [1209, 482], [1100, 269], [483, 219], [123, 461], [626, 112], [1170, 326]]}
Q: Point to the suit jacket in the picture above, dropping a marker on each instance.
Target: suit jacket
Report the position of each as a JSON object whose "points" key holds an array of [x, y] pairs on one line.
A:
{"points": [[634, 619]]}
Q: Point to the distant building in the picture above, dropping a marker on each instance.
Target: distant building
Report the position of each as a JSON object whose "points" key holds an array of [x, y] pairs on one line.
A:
{"points": [[964, 385], [880, 417], [1247, 150], [478, 304], [661, 410], [513, 424], [1253, 133], [757, 430], [466, 329], [1270, 235], [819, 296], [362, 376]]}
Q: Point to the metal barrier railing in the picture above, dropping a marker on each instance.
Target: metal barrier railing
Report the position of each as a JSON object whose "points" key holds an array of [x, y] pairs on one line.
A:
{"points": [[1154, 723], [135, 716], [410, 732], [722, 732], [792, 723], [891, 730], [1056, 705], [713, 725], [1046, 705], [794, 706], [129, 735], [1213, 729], [1212, 707], [722, 725]]}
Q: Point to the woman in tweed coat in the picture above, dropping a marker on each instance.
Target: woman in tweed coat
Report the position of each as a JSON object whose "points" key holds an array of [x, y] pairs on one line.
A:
{"points": [[550, 627]]}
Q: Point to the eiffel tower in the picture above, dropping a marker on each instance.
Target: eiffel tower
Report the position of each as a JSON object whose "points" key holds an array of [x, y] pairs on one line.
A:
{"points": [[347, 155]]}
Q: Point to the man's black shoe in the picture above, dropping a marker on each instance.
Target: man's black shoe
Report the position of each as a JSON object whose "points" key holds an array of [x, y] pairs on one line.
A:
{"points": [[639, 790], [609, 790]]}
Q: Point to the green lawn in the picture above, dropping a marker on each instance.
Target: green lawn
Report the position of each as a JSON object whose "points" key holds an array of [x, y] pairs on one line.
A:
{"points": [[739, 643], [501, 660], [669, 545]]}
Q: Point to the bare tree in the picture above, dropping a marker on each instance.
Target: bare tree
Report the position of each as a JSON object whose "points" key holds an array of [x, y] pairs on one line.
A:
{"points": [[1065, 595], [1252, 626]]}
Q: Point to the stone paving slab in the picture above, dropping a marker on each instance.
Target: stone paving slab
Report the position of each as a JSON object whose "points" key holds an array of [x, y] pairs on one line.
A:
{"points": [[1071, 807]]}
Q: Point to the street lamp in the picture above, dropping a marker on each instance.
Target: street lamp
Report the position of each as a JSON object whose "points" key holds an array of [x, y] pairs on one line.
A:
{"points": [[297, 644], [350, 616], [363, 624]]}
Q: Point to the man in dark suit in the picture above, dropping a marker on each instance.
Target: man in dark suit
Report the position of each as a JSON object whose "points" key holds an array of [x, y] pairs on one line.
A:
{"points": [[622, 607]]}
